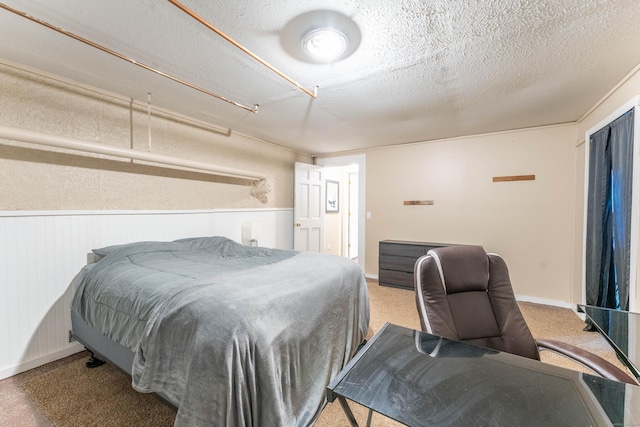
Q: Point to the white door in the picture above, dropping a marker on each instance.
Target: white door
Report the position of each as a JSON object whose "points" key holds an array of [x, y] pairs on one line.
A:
{"points": [[308, 208]]}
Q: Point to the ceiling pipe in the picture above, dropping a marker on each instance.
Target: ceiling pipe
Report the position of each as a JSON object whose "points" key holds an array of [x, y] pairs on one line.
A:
{"points": [[313, 94], [253, 109], [48, 140]]}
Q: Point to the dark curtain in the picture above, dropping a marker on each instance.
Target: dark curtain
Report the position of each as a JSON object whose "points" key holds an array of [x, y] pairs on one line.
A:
{"points": [[598, 212], [608, 243]]}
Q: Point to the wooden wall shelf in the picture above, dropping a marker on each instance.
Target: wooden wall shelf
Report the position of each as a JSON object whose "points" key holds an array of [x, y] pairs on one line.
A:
{"points": [[514, 178], [417, 202]]}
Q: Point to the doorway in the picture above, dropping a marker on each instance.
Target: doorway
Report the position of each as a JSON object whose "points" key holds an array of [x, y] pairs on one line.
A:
{"points": [[341, 214], [351, 220]]}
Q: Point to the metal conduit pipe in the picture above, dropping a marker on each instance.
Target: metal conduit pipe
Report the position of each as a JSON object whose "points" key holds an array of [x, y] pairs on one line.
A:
{"points": [[31, 137], [253, 109], [313, 94]]}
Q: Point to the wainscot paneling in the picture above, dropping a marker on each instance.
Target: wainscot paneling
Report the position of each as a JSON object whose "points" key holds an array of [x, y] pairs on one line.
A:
{"points": [[41, 252]]}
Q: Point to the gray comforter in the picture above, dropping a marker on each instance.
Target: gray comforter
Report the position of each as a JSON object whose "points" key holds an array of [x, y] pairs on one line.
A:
{"points": [[236, 336]]}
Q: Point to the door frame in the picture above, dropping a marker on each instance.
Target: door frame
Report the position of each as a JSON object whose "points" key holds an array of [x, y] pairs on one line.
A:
{"points": [[349, 220], [634, 302], [361, 161]]}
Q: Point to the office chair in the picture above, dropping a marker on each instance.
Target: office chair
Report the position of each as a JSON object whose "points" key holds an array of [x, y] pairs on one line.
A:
{"points": [[465, 294]]}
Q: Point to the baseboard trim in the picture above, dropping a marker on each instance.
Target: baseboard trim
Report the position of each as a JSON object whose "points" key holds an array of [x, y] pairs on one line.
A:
{"points": [[543, 301], [522, 298], [25, 366]]}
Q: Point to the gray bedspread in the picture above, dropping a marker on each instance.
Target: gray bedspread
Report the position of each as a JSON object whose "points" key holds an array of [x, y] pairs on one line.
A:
{"points": [[235, 335]]}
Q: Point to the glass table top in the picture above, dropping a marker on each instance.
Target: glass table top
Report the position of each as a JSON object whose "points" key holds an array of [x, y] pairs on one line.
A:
{"points": [[621, 329], [420, 379]]}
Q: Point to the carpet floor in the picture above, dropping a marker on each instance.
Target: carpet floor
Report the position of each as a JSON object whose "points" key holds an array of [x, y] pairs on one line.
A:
{"points": [[67, 394]]}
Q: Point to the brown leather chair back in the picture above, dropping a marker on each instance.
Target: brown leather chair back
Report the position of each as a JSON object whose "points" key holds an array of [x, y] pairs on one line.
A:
{"points": [[465, 294]]}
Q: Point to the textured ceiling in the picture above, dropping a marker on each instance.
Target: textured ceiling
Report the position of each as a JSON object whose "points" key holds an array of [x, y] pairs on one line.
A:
{"points": [[424, 70]]}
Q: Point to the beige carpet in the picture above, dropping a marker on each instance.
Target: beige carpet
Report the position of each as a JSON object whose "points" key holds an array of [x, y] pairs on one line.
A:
{"points": [[71, 395]]}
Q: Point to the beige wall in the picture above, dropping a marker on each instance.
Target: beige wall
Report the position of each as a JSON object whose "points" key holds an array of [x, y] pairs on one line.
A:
{"points": [[537, 226], [34, 178], [528, 222]]}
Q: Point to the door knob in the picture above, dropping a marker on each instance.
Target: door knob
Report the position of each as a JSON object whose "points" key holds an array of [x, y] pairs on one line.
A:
{"points": [[298, 224]]}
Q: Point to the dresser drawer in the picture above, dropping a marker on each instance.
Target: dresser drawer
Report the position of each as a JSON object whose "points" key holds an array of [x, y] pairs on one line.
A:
{"points": [[398, 279], [415, 251], [398, 263]]}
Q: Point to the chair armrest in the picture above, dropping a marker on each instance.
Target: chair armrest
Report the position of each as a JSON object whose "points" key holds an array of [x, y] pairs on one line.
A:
{"points": [[596, 363]]}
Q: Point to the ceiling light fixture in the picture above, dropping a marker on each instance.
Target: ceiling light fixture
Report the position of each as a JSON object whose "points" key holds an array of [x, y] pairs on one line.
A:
{"points": [[320, 37], [324, 44]]}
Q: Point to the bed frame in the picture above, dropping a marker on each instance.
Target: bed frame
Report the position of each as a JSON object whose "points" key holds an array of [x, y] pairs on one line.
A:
{"points": [[102, 348]]}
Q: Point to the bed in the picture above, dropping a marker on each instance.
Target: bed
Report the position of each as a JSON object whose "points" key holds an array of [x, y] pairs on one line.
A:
{"points": [[229, 334]]}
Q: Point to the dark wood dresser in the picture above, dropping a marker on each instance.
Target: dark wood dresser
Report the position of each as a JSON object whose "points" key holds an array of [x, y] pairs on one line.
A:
{"points": [[396, 259]]}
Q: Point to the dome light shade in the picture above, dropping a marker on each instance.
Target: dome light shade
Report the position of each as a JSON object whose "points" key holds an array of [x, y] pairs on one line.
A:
{"points": [[324, 44]]}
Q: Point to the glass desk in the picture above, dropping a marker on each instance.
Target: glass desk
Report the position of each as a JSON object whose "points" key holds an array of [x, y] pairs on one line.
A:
{"points": [[621, 329], [420, 379]]}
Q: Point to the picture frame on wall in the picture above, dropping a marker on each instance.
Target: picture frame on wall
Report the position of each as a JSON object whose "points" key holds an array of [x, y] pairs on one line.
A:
{"points": [[332, 196]]}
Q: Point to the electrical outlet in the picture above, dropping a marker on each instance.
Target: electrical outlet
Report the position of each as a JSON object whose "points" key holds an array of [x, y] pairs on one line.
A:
{"points": [[72, 337]]}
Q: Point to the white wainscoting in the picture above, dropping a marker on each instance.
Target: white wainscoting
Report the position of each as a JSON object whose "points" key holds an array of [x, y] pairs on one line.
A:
{"points": [[41, 252]]}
